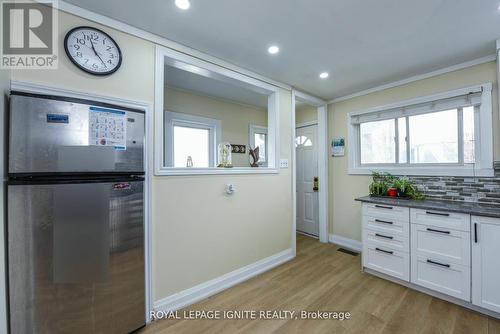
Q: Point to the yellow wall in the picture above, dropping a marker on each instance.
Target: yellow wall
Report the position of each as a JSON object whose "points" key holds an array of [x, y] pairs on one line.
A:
{"points": [[344, 213], [235, 118], [199, 233], [212, 233], [4, 87], [305, 113]]}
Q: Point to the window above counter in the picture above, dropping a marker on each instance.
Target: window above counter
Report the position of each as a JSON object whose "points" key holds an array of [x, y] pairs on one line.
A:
{"points": [[449, 133]]}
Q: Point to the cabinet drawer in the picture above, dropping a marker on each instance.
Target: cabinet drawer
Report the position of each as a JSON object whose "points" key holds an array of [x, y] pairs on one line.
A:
{"points": [[386, 225], [392, 241], [388, 212], [450, 246], [448, 278], [385, 260], [448, 220]]}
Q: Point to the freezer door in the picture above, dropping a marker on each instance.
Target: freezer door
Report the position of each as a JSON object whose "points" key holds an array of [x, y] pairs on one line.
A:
{"points": [[55, 136], [76, 258]]}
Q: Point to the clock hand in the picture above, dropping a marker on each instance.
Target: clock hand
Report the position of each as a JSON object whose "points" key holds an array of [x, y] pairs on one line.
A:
{"points": [[93, 48]]}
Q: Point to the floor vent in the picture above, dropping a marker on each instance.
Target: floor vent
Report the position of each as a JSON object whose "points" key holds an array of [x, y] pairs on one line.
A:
{"points": [[350, 252]]}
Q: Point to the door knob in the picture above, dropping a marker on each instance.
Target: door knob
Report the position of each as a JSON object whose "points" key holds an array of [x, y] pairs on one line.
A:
{"points": [[316, 184]]}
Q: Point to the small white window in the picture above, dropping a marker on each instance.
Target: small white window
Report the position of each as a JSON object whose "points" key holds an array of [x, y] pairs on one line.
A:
{"points": [[445, 134], [190, 140], [258, 138], [191, 147]]}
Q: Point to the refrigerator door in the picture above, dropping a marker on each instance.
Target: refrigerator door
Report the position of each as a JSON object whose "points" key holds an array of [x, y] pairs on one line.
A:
{"points": [[50, 136], [76, 257]]}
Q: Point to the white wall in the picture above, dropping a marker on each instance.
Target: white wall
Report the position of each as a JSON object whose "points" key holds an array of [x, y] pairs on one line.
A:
{"points": [[344, 212], [199, 233], [4, 88], [234, 117]]}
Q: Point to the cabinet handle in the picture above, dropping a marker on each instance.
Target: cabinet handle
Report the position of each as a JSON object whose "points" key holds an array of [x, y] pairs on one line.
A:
{"points": [[475, 233], [437, 263], [438, 231], [383, 207], [437, 213], [384, 251], [383, 221], [383, 236]]}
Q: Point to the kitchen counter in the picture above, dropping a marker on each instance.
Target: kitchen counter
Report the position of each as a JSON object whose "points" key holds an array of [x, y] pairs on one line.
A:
{"points": [[476, 209]]}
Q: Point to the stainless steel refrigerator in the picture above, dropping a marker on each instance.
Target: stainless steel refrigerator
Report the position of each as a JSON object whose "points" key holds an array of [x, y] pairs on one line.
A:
{"points": [[75, 230]]}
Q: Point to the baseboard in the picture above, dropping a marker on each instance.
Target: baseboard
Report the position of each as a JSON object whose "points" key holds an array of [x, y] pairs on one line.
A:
{"points": [[216, 285], [351, 244]]}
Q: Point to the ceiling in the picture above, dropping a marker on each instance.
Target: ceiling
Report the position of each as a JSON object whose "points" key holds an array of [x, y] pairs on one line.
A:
{"points": [[198, 84], [361, 43]]}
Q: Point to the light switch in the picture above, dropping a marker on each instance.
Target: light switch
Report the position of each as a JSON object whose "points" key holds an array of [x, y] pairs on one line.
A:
{"points": [[283, 163]]}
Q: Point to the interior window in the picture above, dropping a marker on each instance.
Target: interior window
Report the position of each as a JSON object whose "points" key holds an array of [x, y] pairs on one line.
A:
{"points": [[203, 112]]}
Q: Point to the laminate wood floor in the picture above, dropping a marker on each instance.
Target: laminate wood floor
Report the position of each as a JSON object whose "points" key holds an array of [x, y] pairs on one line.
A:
{"points": [[321, 278]]}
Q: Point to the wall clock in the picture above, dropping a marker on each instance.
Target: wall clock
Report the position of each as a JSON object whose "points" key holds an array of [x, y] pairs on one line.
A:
{"points": [[92, 50]]}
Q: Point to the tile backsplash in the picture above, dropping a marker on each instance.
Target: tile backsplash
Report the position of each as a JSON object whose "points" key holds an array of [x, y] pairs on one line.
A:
{"points": [[484, 190]]}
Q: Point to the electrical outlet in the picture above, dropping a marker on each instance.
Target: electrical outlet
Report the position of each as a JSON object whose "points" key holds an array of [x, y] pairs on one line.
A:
{"points": [[283, 163]]}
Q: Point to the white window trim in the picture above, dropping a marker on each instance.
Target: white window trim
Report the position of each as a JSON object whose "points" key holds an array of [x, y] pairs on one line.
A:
{"points": [[181, 60], [252, 130], [484, 144], [173, 119]]}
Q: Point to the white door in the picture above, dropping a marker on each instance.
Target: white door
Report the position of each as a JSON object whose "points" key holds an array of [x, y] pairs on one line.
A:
{"points": [[486, 262], [307, 170]]}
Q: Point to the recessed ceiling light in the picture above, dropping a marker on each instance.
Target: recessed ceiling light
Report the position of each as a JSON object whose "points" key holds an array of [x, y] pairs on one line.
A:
{"points": [[183, 4], [273, 49], [324, 75], [498, 7]]}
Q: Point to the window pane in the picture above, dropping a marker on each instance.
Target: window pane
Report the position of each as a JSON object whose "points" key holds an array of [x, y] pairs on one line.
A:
{"points": [[402, 140], [191, 142], [434, 137], [260, 142], [469, 152], [377, 142]]}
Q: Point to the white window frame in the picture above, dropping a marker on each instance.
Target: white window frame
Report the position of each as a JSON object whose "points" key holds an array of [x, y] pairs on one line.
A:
{"points": [[483, 145], [173, 119], [254, 129], [166, 56]]}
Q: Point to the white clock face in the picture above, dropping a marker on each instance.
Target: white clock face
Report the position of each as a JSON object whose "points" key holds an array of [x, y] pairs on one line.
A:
{"points": [[93, 50]]}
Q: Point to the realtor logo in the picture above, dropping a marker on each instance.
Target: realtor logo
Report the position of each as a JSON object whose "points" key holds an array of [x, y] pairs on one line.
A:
{"points": [[29, 35]]}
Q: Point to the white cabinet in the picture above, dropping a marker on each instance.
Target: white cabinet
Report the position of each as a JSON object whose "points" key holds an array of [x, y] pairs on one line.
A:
{"points": [[386, 240], [386, 260], [445, 277], [486, 262], [447, 220], [440, 252], [446, 245], [455, 254]]}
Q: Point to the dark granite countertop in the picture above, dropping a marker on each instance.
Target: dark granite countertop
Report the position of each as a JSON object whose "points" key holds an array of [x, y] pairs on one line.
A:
{"points": [[461, 207]]}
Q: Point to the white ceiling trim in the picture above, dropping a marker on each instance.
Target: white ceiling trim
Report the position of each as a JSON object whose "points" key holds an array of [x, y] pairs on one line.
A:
{"points": [[445, 70], [131, 30], [309, 99]]}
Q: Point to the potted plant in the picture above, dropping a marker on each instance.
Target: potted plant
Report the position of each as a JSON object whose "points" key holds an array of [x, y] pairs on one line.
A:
{"points": [[385, 184]]}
